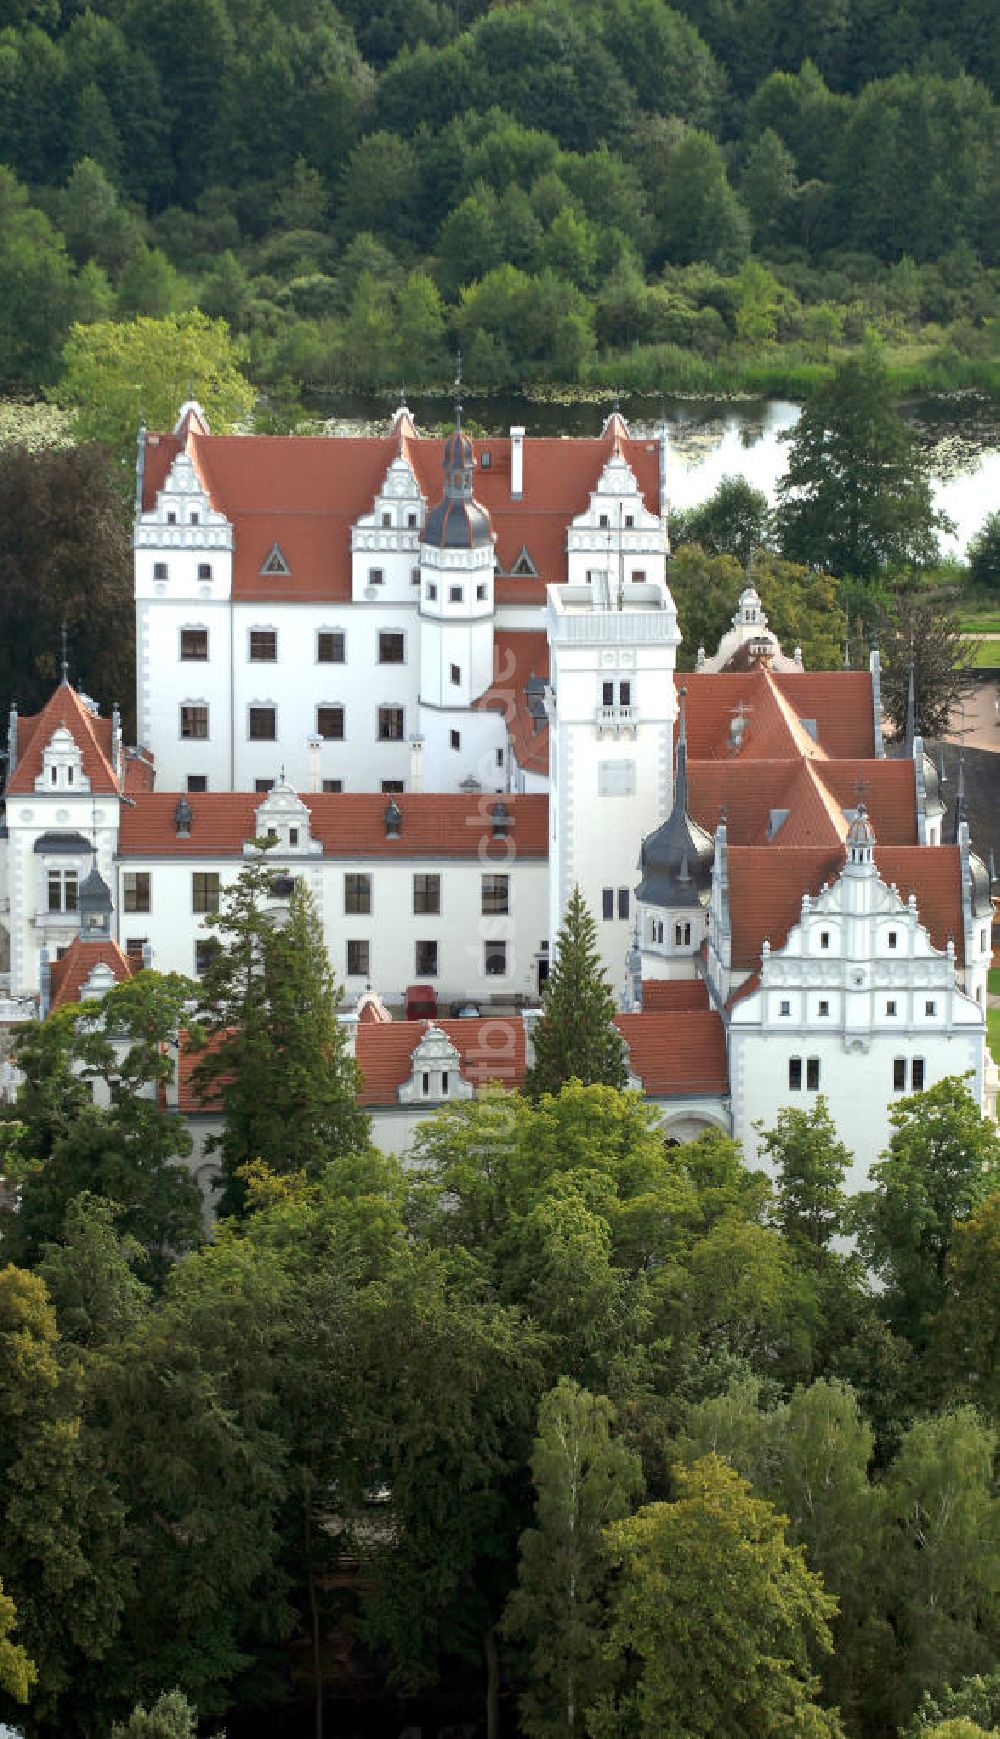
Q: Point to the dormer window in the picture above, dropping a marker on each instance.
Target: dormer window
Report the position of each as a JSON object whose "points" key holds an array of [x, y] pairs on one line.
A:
{"points": [[502, 820], [393, 817], [183, 817]]}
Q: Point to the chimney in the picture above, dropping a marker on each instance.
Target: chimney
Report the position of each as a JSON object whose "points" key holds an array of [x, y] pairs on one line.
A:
{"points": [[517, 462], [314, 745], [416, 763]]}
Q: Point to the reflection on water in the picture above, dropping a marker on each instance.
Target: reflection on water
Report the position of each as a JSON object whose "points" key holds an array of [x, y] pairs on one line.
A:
{"points": [[712, 439]]}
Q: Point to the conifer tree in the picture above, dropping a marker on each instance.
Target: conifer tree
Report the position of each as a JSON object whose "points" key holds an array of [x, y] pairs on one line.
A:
{"points": [[576, 1038], [276, 1054]]}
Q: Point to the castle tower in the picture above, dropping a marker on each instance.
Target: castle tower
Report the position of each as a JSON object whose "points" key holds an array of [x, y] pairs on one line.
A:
{"points": [[456, 625], [611, 704], [672, 898]]}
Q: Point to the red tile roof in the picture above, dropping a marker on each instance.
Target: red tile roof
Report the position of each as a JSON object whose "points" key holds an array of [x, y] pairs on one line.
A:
{"points": [[662, 994], [516, 656], [766, 889], [815, 792], [349, 824], [306, 492], [677, 1051], [91, 735], [490, 1048], [71, 972], [840, 702]]}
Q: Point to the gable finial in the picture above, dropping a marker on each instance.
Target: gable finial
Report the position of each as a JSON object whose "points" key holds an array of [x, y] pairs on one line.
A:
{"points": [[65, 655]]}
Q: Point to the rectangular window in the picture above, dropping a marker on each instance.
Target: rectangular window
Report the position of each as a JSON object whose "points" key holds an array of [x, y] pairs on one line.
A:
{"points": [[263, 784], [899, 1074], [205, 891], [357, 893], [263, 645], [482, 593], [159, 570], [890, 1007], [194, 722], [204, 570], [390, 724], [824, 1009], [391, 786], [607, 694], [426, 894], [795, 1074], [386, 519], [376, 577], [892, 938], [63, 889], [136, 890], [194, 643], [630, 520], [623, 902], [624, 694], [391, 647], [638, 576], [784, 1009], [414, 576], [425, 959], [358, 958], [495, 959], [263, 726], [456, 739], [930, 1008], [917, 1075], [197, 782], [607, 903], [496, 895], [205, 950], [330, 723], [432, 591], [456, 675], [332, 786], [812, 1074], [456, 594], [330, 646], [824, 938]]}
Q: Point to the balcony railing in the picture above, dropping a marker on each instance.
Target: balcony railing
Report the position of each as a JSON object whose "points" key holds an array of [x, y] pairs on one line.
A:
{"points": [[616, 719]]}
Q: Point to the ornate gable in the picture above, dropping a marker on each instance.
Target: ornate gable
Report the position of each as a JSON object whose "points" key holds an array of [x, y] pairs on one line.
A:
{"points": [[435, 1074]]}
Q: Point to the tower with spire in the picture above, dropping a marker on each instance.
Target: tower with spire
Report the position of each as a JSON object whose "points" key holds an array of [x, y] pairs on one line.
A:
{"points": [[672, 898], [456, 623]]}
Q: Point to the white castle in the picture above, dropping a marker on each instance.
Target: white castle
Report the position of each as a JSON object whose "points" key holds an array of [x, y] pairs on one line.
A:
{"points": [[441, 676]]}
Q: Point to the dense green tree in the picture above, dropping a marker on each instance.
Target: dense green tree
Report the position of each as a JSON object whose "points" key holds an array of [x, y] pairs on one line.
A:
{"points": [[17, 1672], [767, 184], [95, 223], [856, 497], [124, 1147], [583, 1480], [964, 1352], [667, 64], [118, 376], [944, 1545], [575, 1037], [276, 1054], [735, 521], [64, 560], [698, 215], [38, 303], [984, 554], [801, 605], [714, 1617], [942, 1161], [976, 1700], [150, 285], [922, 634], [810, 1162], [170, 1717]]}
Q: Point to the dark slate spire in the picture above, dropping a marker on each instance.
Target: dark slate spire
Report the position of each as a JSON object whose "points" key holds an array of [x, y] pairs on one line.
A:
{"points": [[911, 716], [676, 860], [960, 814], [457, 521]]}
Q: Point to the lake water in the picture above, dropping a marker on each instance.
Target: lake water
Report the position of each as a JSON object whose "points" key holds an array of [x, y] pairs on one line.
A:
{"points": [[710, 440]]}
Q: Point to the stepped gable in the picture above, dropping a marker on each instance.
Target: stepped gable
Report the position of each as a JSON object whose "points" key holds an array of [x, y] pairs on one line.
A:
{"points": [[766, 889], [91, 735], [517, 657], [676, 1051], [490, 1048], [348, 824], [72, 971]]}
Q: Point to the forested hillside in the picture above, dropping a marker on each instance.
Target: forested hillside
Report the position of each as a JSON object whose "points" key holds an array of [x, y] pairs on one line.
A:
{"points": [[706, 194]]}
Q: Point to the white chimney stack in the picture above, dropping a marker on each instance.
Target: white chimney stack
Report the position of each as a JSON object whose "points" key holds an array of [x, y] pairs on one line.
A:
{"points": [[517, 462], [314, 745], [416, 763]]}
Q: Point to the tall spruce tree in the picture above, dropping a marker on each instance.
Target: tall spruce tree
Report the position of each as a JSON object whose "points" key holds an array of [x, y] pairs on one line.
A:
{"points": [[576, 1038], [276, 1054]]}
